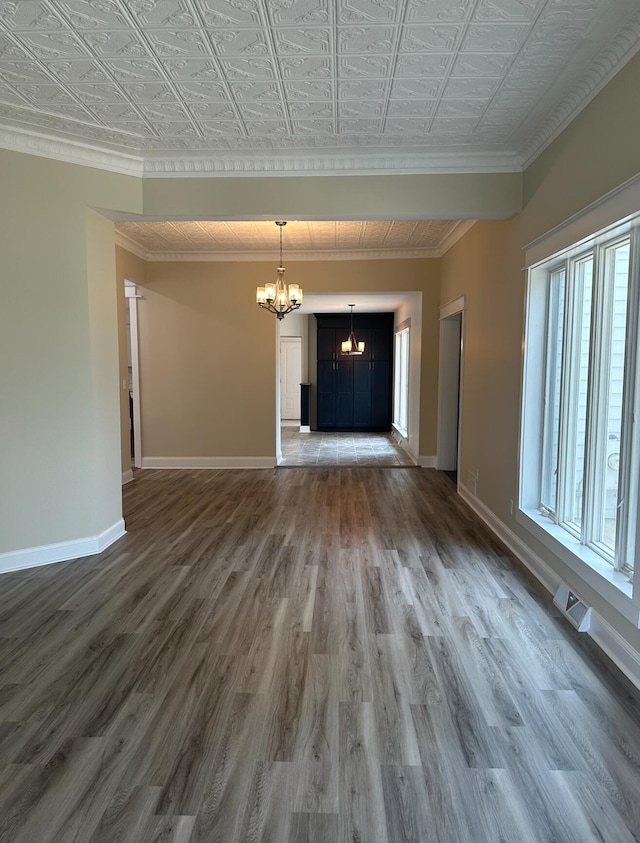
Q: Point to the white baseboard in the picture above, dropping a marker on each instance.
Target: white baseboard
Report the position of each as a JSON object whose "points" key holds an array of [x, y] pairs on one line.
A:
{"points": [[614, 645], [426, 462], [605, 636], [48, 554], [305, 428], [208, 462], [541, 570], [127, 477]]}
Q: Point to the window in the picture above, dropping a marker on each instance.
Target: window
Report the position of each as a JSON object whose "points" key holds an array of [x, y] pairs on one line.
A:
{"points": [[401, 382], [579, 440]]}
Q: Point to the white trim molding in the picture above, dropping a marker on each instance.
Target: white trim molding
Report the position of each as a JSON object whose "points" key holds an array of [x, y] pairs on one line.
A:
{"points": [[603, 634], [363, 162], [601, 71], [427, 462], [127, 477], [452, 307], [616, 648], [456, 234], [209, 462], [34, 557], [543, 572], [32, 142], [611, 209]]}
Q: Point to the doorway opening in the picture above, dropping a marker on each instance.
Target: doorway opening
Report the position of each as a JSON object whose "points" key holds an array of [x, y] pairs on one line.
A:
{"points": [[131, 297], [290, 379], [450, 387]]}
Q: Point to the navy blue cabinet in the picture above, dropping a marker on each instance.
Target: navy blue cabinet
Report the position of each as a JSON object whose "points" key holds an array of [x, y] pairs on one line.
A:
{"points": [[354, 393]]}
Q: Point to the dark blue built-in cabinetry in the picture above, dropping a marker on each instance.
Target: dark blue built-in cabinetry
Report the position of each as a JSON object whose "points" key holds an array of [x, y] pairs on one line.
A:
{"points": [[354, 393]]}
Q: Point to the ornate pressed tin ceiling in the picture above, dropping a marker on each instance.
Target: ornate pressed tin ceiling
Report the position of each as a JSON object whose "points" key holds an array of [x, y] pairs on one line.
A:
{"points": [[302, 240], [304, 85]]}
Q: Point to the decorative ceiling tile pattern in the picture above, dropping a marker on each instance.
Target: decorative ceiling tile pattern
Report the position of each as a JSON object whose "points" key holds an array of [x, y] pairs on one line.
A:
{"points": [[303, 77], [301, 239]]}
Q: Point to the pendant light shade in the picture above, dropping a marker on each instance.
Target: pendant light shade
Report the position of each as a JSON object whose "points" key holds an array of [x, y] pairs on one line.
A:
{"points": [[276, 297], [351, 346]]}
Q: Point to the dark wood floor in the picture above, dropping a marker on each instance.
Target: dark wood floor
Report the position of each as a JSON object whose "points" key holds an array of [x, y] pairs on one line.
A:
{"points": [[304, 655]]}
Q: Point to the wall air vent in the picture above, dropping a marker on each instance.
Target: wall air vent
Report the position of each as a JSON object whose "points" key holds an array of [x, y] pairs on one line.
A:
{"points": [[573, 608]]}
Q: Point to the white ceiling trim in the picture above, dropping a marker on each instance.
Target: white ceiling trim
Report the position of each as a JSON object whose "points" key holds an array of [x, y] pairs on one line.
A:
{"points": [[608, 64], [216, 165], [365, 163], [70, 151], [456, 234], [131, 245]]}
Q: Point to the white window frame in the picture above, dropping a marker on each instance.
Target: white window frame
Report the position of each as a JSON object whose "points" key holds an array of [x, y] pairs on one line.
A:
{"points": [[584, 557], [401, 381]]}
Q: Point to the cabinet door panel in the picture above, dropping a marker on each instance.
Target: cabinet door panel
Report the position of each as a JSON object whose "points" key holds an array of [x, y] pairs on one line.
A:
{"points": [[344, 393], [326, 394], [326, 344], [381, 395], [381, 344], [362, 393]]}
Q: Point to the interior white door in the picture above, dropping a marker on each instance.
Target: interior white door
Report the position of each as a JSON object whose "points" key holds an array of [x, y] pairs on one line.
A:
{"points": [[290, 377]]}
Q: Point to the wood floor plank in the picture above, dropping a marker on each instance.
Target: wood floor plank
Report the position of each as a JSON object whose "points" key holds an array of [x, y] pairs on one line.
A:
{"points": [[317, 740], [309, 655], [361, 798], [269, 809]]}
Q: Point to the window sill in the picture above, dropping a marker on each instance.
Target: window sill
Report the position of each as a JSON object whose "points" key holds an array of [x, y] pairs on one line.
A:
{"points": [[612, 585]]}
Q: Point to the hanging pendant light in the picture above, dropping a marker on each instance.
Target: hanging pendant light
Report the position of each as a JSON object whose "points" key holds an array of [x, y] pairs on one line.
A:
{"points": [[275, 297], [350, 346]]}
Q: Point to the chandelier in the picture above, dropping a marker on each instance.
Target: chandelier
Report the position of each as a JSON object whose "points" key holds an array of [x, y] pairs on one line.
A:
{"points": [[351, 346], [275, 297]]}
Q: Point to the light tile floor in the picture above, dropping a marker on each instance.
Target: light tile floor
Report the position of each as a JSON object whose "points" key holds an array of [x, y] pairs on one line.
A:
{"points": [[362, 449]]}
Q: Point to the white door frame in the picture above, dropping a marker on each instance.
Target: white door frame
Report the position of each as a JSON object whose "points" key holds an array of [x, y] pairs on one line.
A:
{"points": [[450, 391], [131, 293]]}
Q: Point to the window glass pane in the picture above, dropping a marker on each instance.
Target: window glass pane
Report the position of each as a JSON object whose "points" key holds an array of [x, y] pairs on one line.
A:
{"points": [[613, 353], [552, 390], [577, 389]]}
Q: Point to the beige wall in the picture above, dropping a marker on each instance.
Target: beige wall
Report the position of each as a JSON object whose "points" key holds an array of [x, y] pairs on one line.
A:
{"points": [[208, 353], [589, 159], [438, 196], [55, 357], [105, 493]]}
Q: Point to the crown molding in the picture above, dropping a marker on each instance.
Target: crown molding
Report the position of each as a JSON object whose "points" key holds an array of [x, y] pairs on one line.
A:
{"points": [[268, 257], [454, 235], [219, 164], [601, 72], [387, 162], [70, 151], [131, 245]]}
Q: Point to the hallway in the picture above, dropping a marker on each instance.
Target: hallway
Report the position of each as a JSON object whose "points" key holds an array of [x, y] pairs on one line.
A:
{"points": [[305, 656], [340, 449]]}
